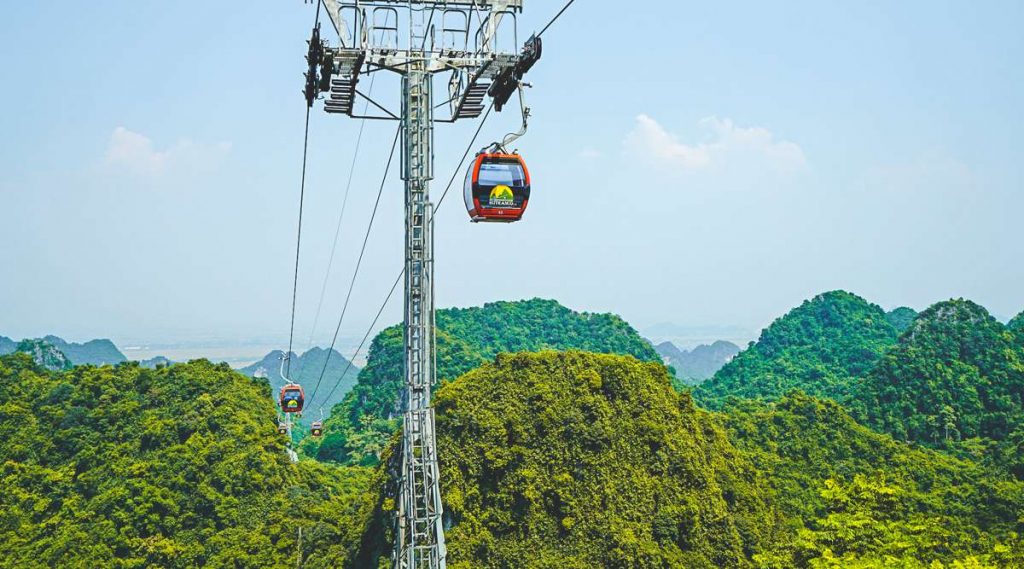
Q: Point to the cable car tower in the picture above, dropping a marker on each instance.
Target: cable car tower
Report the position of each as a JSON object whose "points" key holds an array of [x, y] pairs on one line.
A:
{"points": [[475, 43]]}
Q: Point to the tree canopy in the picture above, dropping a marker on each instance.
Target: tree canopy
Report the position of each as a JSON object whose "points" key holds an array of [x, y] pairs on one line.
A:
{"points": [[177, 467], [823, 347], [467, 338]]}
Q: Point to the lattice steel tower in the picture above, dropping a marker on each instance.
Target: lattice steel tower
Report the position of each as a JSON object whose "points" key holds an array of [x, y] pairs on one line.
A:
{"points": [[476, 43]]}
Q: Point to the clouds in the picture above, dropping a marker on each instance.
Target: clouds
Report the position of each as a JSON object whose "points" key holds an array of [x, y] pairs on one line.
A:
{"points": [[134, 153], [726, 144]]}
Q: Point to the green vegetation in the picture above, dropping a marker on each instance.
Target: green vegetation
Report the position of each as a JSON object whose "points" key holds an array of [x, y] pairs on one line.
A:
{"points": [[7, 346], [955, 381], [361, 425], [901, 318], [855, 498], [179, 467], [823, 347], [575, 460], [1017, 323], [549, 460]]}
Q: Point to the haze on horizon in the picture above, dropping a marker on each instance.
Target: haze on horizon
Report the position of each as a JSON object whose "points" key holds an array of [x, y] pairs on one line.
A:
{"points": [[702, 164]]}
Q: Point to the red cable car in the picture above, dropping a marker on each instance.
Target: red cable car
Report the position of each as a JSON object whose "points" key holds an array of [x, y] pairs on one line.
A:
{"points": [[292, 398], [317, 430], [497, 188]]}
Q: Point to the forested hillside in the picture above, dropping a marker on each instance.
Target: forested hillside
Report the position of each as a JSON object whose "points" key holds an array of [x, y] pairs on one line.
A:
{"points": [[575, 460], [901, 318], [956, 375], [177, 467], [1017, 323], [7, 345], [856, 498], [466, 339], [822, 347]]}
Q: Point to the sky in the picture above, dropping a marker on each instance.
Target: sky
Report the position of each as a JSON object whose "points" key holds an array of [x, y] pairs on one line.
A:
{"points": [[706, 164]]}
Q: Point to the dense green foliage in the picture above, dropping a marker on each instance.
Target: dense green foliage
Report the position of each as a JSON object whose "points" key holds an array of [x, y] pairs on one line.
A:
{"points": [[955, 381], [467, 338], [1017, 323], [575, 460], [957, 373], [901, 318], [822, 347], [178, 467], [856, 498]]}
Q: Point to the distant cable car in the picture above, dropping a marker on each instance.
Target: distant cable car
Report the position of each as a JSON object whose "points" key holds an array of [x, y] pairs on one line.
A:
{"points": [[497, 188], [292, 398], [282, 428], [317, 430]]}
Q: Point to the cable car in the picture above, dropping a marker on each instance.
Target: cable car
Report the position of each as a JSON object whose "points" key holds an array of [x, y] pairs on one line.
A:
{"points": [[497, 188], [292, 398], [317, 430], [282, 428]]}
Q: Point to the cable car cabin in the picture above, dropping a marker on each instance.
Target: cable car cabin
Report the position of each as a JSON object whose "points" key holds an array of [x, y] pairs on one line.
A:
{"points": [[497, 188], [292, 398], [317, 430], [282, 428]]}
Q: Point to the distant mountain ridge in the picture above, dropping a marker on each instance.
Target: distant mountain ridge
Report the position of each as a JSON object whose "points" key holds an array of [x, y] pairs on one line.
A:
{"points": [[306, 370], [45, 354], [699, 364], [93, 352]]}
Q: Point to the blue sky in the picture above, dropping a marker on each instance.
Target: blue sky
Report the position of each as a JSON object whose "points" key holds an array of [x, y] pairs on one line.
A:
{"points": [[700, 163]]}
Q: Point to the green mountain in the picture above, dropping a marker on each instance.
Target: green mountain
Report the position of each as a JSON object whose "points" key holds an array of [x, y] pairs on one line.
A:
{"points": [[306, 370], [178, 467], [856, 498], [699, 364], [467, 338], [94, 352], [7, 346], [1017, 323], [575, 460], [957, 373], [44, 354], [901, 318], [822, 347]]}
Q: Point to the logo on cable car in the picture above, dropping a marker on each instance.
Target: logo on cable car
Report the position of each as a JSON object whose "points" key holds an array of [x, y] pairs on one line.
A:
{"points": [[501, 196]]}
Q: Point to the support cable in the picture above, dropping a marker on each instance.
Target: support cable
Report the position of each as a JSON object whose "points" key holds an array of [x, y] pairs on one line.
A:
{"points": [[341, 217], [359, 263], [557, 16], [344, 203], [369, 331], [298, 239], [451, 182]]}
